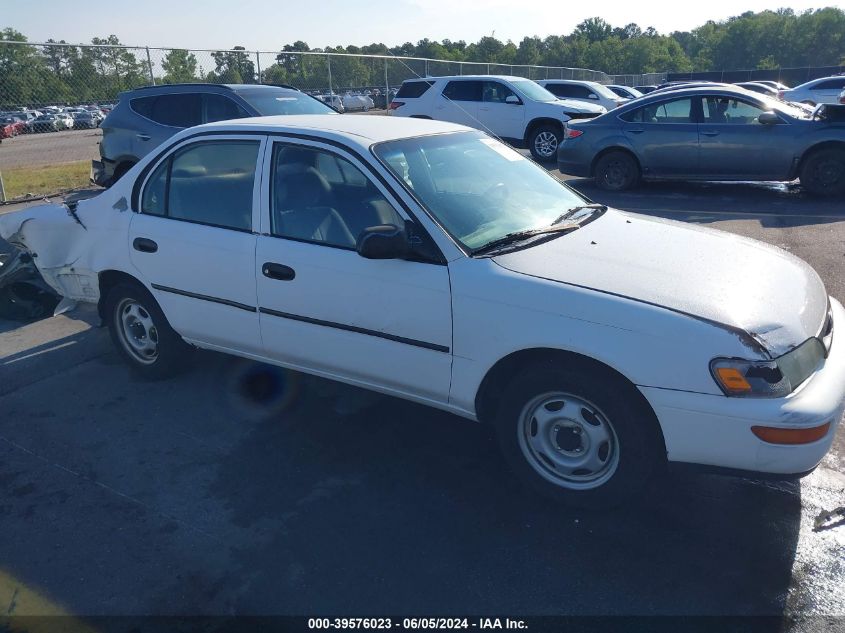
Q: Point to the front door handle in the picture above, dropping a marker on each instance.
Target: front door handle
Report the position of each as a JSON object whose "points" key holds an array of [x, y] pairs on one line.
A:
{"points": [[143, 137], [637, 131], [278, 271], [144, 245], [711, 133]]}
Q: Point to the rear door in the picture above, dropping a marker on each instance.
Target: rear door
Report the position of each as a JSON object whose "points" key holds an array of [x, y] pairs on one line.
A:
{"points": [[664, 136], [734, 144], [505, 120], [458, 102], [165, 115], [827, 91], [193, 242]]}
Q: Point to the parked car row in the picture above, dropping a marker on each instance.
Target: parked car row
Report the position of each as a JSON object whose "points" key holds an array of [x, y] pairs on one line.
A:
{"points": [[55, 119], [709, 133]]}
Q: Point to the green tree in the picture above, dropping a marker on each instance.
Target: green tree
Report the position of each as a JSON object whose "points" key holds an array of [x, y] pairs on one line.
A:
{"points": [[180, 66]]}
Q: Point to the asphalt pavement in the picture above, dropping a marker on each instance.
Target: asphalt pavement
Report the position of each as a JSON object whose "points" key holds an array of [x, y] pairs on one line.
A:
{"points": [[242, 489]]}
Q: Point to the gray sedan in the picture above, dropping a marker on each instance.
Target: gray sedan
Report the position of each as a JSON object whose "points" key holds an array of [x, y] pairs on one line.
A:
{"points": [[707, 133]]}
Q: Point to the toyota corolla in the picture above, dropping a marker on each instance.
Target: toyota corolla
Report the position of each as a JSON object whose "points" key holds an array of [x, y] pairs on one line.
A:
{"points": [[428, 261]]}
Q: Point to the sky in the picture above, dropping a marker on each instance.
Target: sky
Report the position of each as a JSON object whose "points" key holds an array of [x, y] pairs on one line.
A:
{"points": [[267, 24]]}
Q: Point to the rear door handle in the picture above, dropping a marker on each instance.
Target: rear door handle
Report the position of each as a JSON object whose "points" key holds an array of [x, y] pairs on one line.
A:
{"points": [[278, 271], [637, 131], [711, 133], [144, 245], [143, 137]]}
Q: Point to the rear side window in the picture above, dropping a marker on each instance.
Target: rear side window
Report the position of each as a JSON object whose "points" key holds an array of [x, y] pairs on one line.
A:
{"points": [[175, 110], [569, 90], [413, 89], [208, 183], [676, 111], [830, 84], [463, 91]]}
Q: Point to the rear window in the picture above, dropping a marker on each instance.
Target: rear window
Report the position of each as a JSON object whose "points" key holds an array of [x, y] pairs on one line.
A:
{"points": [[413, 89]]}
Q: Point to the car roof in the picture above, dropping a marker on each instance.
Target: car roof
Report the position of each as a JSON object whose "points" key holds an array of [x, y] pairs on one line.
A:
{"points": [[361, 131], [568, 81], [202, 87], [470, 77], [693, 91]]}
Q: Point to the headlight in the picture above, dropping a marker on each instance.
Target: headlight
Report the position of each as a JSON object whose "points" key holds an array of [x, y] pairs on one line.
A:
{"points": [[768, 378]]}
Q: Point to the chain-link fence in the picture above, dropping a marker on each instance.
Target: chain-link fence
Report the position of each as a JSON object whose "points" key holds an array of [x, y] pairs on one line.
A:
{"points": [[67, 89]]}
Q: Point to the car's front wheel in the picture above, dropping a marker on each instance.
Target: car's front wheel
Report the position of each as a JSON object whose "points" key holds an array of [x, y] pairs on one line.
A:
{"points": [[617, 171], [823, 172], [543, 142], [578, 434], [142, 334]]}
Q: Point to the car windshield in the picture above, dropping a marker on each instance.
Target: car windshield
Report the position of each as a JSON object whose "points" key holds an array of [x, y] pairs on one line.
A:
{"points": [[533, 91], [280, 101], [478, 189], [793, 110]]}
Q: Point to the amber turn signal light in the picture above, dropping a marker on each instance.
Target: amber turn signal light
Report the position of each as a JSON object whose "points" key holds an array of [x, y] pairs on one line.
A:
{"points": [[790, 436], [733, 380]]}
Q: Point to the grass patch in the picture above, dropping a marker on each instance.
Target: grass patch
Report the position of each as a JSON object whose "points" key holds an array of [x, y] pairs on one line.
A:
{"points": [[44, 179]]}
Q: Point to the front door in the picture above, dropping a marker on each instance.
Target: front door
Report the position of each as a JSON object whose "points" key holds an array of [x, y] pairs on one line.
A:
{"points": [[734, 144], [324, 308], [193, 244]]}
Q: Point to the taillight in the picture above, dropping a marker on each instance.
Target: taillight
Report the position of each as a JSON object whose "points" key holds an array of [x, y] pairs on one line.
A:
{"points": [[570, 133], [395, 105], [780, 95]]}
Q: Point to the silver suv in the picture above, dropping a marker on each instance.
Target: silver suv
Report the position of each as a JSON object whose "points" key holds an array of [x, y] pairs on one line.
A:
{"points": [[146, 117]]}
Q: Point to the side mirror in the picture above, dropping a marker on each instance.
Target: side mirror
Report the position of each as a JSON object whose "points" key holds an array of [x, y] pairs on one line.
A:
{"points": [[384, 241], [769, 118], [513, 100]]}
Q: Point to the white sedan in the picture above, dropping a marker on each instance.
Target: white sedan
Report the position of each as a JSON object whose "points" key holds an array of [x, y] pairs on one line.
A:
{"points": [[428, 261]]}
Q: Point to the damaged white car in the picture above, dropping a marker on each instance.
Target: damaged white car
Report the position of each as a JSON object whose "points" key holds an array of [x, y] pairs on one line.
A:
{"points": [[429, 261]]}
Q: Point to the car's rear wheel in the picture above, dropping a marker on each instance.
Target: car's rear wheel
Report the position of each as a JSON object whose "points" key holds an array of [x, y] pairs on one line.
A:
{"points": [[823, 172], [617, 171], [142, 334], [578, 434], [543, 142]]}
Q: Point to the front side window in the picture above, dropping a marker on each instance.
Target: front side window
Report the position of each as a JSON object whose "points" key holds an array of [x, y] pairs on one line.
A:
{"points": [[318, 196], [495, 92], [676, 111], [463, 90], [220, 108], [477, 188], [208, 183], [723, 110]]}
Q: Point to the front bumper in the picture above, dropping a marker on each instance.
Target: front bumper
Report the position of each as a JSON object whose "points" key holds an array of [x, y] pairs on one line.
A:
{"points": [[714, 430]]}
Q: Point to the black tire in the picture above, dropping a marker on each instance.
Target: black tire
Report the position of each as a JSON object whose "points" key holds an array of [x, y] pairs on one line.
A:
{"points": [[634, 447], [171, 354], [823, 172], [544, 141], [616, 171]]}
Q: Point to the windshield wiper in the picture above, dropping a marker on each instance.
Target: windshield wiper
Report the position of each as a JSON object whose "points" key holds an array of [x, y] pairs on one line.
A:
{"points": [[570, 212], [521, 236]]}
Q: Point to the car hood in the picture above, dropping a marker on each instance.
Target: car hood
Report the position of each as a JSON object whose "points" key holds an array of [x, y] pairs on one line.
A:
{"points": [[776, 299], [573, 105]]}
